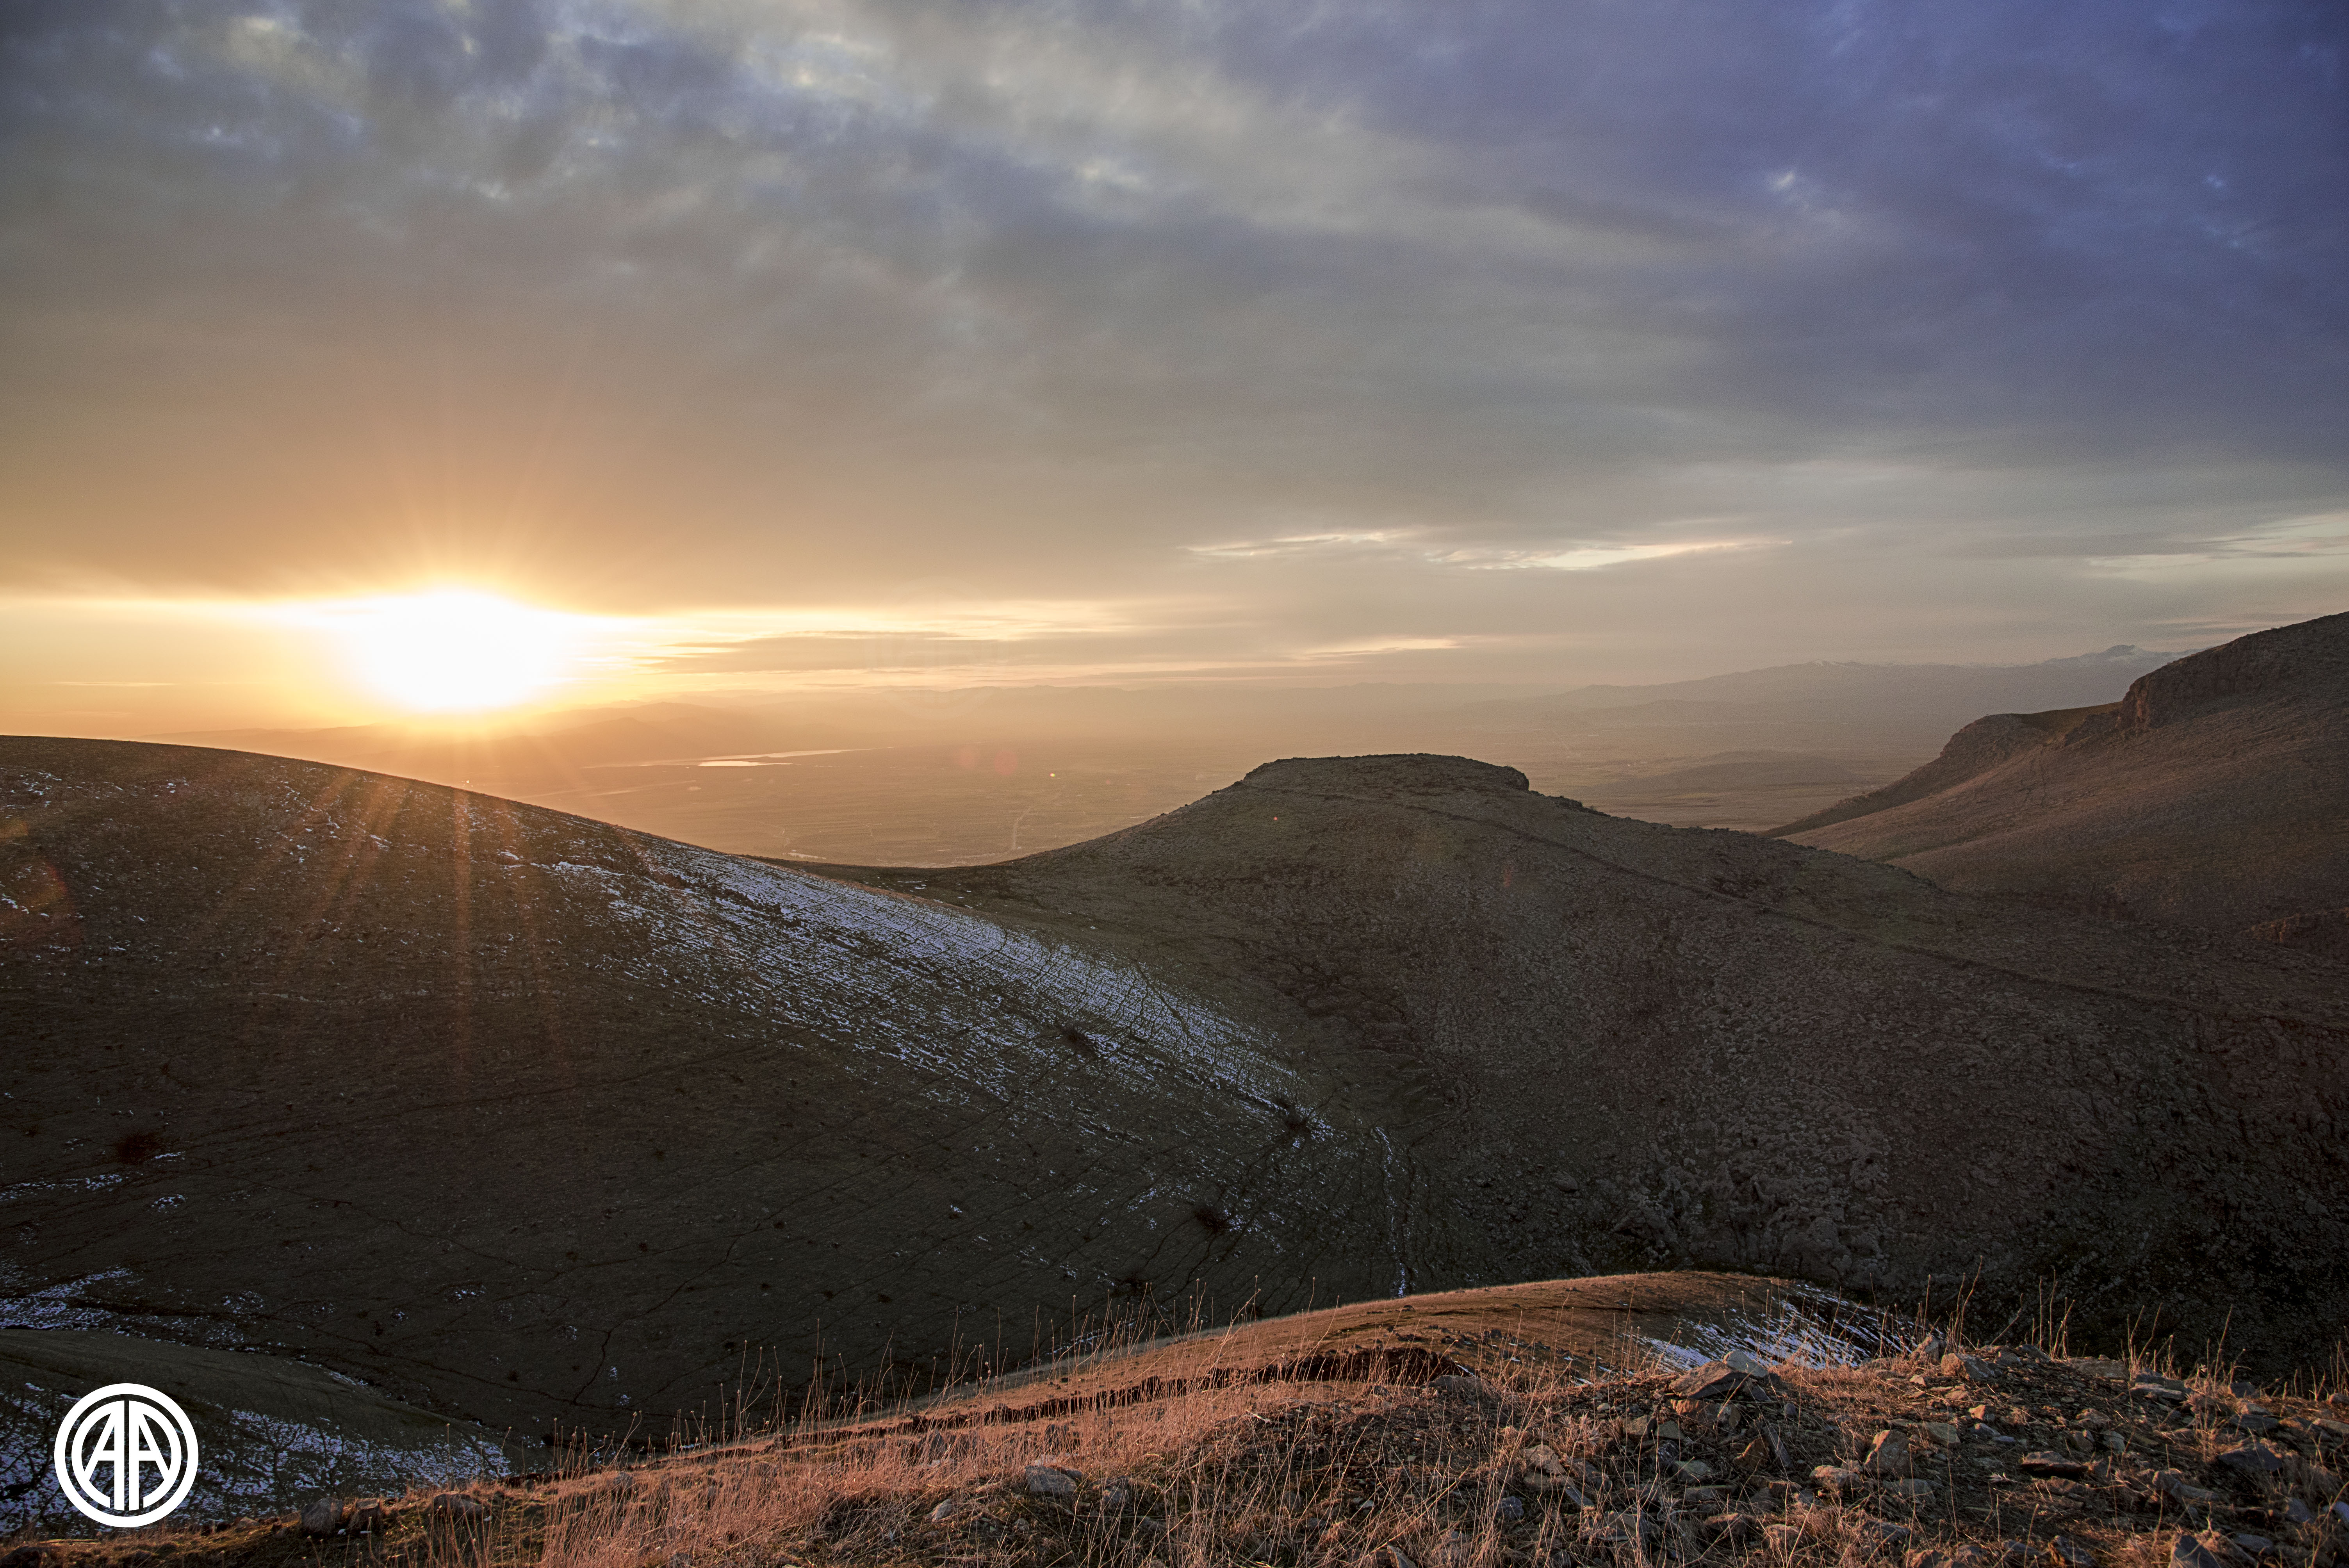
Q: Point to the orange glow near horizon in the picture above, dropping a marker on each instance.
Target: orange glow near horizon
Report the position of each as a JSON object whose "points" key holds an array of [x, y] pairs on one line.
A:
{"points": [[455, 651]]}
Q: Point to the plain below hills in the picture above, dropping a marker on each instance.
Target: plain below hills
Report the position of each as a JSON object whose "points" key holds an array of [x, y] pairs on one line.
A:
{"points": [[984, 774]]}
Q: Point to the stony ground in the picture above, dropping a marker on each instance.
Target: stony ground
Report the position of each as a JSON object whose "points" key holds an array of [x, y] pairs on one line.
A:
{"points": [[1990, 1455]]}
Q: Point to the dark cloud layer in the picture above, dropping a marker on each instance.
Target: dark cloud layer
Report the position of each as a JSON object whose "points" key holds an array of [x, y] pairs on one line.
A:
{"points": [[755, 302]]}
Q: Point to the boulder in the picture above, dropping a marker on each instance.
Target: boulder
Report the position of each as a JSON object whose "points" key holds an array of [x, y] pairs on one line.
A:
{"points": [[2186, 1552], [322, 1517], [1052, 1482], [1889, 1455], [2254, 1461]]}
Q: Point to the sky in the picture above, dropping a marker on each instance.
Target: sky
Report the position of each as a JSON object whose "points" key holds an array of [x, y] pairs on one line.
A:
{"points": [[777, 343]]}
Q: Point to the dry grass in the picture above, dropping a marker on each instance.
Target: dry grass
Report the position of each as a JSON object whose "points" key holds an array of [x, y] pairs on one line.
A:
{"points": [[1228, 1470], [1351, 1474]]}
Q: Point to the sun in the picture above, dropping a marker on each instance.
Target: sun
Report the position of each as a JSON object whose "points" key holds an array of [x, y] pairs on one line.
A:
{"points": [[456, 650]]}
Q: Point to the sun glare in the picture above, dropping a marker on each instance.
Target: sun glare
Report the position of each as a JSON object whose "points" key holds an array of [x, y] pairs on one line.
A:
{"points": [[456, 650]]}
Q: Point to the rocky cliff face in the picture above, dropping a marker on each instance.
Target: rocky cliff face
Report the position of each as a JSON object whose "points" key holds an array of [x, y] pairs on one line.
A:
{"points": [[2309, 659], [1972, 751], [2212, 795]]}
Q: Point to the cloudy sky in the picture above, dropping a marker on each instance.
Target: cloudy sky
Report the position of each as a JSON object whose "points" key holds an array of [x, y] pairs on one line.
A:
{"points": [[775, 341]]}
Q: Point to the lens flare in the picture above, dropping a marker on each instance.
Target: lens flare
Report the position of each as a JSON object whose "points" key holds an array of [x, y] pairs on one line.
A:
{"points": [[456, 650]]}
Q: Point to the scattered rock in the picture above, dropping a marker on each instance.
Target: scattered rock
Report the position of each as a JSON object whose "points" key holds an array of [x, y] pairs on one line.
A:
{"points": [[369, 1517], [2173, 1485], [2153, 1386], [457, 1505], [1942, 1433], [1882, 1534], [1836, 1479], [1889, 1455], [1463, 1383], [1052, 1482], [322, 1517], [2256, 1422], [1783, 1538], [2296, 1511], [2252, 1546], [2070, 1553], [2061, 1466], [1729, 1528], [31, 1557], [945, 1511], [1713, 1381], [1542, 1459], [1510, 1511], [2186, 1552], [1117, 1496], [2254, 1459], [1915, 1487], [1746, 1362], [1972, 1368]]}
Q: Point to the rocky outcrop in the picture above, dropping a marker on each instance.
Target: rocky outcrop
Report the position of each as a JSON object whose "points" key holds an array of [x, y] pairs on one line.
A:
{"points": [[1972, 751], [2308, 658], [2211, 796]]}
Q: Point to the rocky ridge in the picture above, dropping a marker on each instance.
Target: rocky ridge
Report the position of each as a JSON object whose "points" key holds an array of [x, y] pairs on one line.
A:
{"points": [[2210, 795]]}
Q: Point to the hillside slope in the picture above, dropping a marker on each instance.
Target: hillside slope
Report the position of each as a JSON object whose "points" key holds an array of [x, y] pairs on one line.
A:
{"points": [[2212, 795], [1652, 1047], [526, 1119]]}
